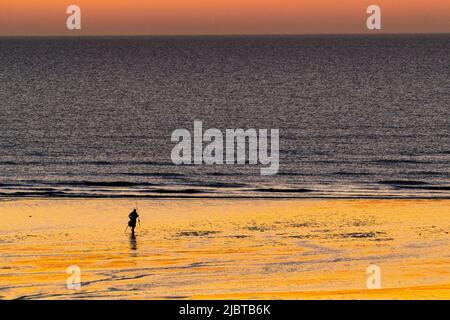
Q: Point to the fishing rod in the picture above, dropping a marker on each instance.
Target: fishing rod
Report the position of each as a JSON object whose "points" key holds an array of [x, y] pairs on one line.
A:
{"points": [[139, 219]]}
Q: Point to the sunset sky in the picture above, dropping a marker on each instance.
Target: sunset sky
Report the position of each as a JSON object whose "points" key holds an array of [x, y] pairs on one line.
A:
{"points": [[179, 17]]}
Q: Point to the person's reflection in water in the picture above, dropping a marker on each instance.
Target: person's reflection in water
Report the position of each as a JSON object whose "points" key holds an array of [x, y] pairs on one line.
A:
{"points": [[133, 245]]}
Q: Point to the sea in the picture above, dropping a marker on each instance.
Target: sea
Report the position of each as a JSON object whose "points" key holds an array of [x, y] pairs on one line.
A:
{"points": [[359, 116]]}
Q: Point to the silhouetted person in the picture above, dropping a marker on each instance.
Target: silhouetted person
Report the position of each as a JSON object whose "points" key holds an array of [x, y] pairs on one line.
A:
{"points": [[133, 218]]}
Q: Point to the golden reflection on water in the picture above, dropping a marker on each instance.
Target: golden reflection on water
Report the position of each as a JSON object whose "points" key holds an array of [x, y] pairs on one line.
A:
{"points": [[225, 248]]}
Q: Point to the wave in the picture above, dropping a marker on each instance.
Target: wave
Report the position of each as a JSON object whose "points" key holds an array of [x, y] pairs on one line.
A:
{"points": [[72, 194], [217, 184], [430, 173], [176, 191], [430, 188], [76, 163], [217, 189], [400, 161], [346, 173], [36, 184], [403, 182], [293, 174], [282, 190], [413, 184], [104, 183], [221, 174], [151, 174]]}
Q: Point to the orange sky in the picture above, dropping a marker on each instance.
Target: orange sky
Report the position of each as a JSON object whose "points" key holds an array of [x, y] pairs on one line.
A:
{"points": [[160, 17]]}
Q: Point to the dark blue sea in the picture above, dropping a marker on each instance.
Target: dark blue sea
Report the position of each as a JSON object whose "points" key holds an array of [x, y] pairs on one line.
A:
{"points": [[359, 116]]}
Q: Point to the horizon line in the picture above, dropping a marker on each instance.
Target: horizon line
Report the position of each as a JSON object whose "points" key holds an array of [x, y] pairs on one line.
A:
{"points": [[370, 34]]}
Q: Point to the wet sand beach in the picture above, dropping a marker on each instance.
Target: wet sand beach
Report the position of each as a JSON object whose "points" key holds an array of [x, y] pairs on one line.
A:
{"points": [[222, 248]]}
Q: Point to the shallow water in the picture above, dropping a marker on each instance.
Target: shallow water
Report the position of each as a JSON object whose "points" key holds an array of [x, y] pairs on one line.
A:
{"points": [[225, 248]]}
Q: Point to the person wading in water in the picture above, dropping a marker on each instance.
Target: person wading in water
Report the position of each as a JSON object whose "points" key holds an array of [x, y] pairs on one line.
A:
{"points": [[133, 218]]}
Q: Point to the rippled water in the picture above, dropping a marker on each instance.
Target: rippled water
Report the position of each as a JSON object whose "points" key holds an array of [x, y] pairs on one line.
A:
{"points": [[358, 116]]}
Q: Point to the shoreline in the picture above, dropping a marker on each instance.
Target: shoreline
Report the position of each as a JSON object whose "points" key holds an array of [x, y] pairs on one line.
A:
{"points": [[275, 195], [159, 197]]}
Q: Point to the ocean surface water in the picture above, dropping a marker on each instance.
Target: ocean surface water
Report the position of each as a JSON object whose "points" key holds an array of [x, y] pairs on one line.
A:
{"points": [[358, 116]]}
